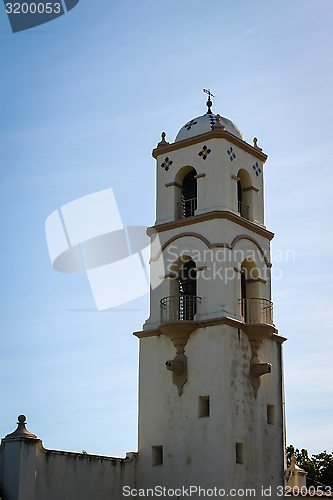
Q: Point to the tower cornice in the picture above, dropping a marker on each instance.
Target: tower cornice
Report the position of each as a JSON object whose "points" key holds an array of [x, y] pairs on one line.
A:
{"points": [[263, 330], [216, 133], [215, 214]]}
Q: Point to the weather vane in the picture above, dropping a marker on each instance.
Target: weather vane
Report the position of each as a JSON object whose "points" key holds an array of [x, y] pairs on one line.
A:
{"points": [[209, 102]]}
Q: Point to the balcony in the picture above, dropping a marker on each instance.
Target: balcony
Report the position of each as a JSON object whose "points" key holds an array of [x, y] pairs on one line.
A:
{"points": [[243, 210], [257, 311], [186, 208], [181, 308]]}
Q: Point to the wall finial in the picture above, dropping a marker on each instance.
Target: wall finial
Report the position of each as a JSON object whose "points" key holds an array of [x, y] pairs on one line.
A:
{"points": [[163, 142], [218, 124], [255, 144], [21, 431], [209, 102]]}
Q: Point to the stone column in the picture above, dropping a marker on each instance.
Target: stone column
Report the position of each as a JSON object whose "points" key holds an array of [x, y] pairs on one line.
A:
{"points": [[19, 463]]}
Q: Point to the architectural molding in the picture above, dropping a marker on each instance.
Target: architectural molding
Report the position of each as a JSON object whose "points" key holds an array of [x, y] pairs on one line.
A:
{"points": [[251, 188], [210, 245], [267, 331], [130, 456], [214, 214], [260, 280], [176, 184], [181, 235], [250, 238], [198, 269], [240, 271], [216, 133]]}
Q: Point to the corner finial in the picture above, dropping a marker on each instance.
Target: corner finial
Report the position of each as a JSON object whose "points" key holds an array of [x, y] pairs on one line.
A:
{"points": [[21, 431], [163, 142], [255, 144], [218, 124], [209, 102]]}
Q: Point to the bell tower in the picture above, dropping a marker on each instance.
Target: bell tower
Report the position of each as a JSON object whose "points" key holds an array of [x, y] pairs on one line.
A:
{"points": [[211, 410]]}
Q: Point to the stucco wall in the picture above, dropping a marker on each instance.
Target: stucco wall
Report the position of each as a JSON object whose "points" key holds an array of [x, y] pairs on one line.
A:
{"points": [[201, 451], [217, 190], [28, 471], [76, 476]]}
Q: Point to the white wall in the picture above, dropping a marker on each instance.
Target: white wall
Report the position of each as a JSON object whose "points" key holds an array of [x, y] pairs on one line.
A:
{"points": [[201, 451], [31, 472]]}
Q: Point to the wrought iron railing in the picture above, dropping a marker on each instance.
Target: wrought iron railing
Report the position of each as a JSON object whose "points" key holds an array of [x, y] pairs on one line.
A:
{"points": [[243, 210], [257, 311], [181, 308], [186, 208]]}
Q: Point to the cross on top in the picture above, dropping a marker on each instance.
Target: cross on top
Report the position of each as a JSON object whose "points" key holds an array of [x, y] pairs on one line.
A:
{"points": [[209, 93]]}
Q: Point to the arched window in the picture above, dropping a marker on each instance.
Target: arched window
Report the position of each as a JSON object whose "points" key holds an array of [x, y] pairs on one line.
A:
{"points": [[186, 192], [244, 305], [250, 292], [187, 291], [243, 285], [189, 195], [254, 308], [183, 300], [244, 195]]}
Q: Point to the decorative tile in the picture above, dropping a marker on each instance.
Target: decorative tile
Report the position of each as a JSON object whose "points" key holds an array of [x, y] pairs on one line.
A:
{"points": [[231, 154], [256, 168], [204, 152], [212, 119], [190, 124], [167, 163]]}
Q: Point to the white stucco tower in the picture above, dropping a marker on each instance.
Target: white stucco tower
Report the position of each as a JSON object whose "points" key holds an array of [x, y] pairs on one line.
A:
{"points": [[211, 386]]}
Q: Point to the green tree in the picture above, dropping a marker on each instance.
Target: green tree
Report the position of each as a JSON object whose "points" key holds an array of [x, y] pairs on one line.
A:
{"points": [[319, 467], [324, 467]]}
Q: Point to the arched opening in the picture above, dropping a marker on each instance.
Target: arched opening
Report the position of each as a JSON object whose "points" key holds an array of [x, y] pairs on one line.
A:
{"points": [[187, 291], [189, 195], [249, 291], [243, 285], [244, 194], [181, 305], [254, 308], [186, 198]]}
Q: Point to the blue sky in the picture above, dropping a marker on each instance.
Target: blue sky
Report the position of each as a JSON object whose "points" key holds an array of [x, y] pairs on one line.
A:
{"points": [[84, 100]]}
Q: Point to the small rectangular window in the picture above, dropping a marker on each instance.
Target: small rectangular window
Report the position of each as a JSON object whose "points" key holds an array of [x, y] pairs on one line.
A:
{"points": [[204, 406], [270, 414], [157, 455], [239, 453]]}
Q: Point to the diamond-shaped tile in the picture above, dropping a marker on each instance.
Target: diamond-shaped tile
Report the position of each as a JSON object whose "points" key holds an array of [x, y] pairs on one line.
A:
{"points": [[167, 163], [204, 152], [256, 168], [231, 154], [190, 124]]}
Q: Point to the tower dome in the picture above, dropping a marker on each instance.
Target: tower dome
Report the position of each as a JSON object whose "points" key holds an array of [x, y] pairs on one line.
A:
{"points": [[202, 124]]}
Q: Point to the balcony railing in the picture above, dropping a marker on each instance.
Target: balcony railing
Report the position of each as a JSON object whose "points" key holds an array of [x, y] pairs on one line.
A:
{"points": [[257, 311], [243, 210], [182, 308], [186, 208]]}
